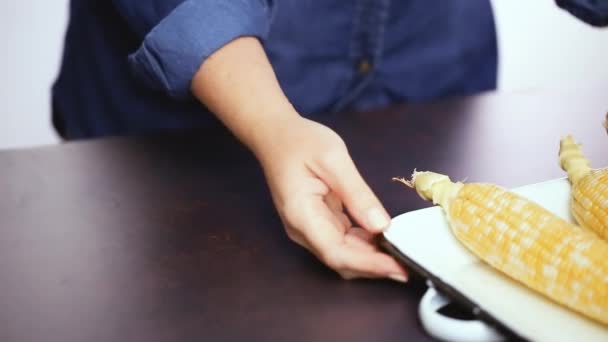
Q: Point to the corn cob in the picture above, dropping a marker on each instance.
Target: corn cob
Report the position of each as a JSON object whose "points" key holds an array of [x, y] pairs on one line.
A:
{"points": [[525, 241], [589, 202]]}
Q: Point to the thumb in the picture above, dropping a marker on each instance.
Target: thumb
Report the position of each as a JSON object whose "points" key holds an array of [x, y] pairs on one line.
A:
{"points": [[342, 176]]}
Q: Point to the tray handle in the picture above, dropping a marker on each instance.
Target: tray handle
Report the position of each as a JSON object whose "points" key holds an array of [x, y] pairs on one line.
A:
{"points": [[451, 329]]}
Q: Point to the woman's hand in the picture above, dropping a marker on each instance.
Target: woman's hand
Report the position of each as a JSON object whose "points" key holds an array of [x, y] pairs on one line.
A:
{"points": [[311, 176], [313, 180]]}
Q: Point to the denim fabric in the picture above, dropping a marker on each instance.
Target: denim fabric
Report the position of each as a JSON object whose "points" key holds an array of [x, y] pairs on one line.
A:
{"points": [[593, 12], [128, 64]]}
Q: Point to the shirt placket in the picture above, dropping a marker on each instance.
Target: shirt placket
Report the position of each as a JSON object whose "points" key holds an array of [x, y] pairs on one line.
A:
{"points": [[367, 44]]}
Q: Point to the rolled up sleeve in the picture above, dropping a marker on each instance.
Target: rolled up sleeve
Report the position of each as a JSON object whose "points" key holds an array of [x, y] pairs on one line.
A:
{"points": [[179, 35]]}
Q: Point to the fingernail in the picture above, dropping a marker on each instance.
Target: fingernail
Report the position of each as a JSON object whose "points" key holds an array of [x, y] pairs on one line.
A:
{"points": [[378, 219], [402, 278]]}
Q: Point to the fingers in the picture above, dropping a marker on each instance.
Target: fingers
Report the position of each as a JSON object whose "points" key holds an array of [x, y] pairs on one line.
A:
{"points": [[361, 238], [333, 202], [361, 241], [357, 263], [295, 236], [337, 169], [352, 255], [335, 205]]}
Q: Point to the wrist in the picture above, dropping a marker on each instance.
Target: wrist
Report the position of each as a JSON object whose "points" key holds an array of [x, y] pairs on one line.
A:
{"points": [[270, 131]]}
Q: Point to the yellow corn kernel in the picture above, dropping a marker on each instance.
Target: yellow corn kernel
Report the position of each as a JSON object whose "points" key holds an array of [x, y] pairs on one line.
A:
{"points": [[589, 200], [525, 241]]}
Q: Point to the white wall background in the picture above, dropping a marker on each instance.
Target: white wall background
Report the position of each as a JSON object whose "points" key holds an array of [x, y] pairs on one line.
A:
{"points": [[541, 46], [32, 32]]}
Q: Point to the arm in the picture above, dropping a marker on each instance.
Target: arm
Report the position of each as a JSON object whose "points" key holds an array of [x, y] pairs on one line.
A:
{"points": [[208, 48], [309, 171], [238, 84]]}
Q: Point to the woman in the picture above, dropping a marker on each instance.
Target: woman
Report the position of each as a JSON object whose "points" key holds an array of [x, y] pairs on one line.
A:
{"points": [[262, 67]]}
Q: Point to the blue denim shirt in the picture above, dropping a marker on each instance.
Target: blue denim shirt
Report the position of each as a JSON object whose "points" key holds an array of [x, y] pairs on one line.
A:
{"points": [[592, 12], [128, 64]]}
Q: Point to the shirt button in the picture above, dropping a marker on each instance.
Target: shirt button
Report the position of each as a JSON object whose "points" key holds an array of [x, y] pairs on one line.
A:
{"points": [[365, 66]]}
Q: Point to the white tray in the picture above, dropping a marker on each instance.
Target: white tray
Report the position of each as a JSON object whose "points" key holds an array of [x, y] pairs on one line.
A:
{"points": [[423, 240]]}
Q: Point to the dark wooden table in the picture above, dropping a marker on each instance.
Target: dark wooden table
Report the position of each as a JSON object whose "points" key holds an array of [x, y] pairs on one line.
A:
{"points": [[174, 238]]}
